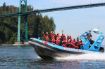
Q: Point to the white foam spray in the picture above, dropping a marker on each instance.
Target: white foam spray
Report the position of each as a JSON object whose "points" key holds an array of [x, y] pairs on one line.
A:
{"points": [[88, 56]]}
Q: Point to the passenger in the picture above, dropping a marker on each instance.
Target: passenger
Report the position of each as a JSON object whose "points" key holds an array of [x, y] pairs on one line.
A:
{"points": [[46, 36], [78, 43], [51, 36], [73, 44], [61, 39], [64, 41], [77, 39], [74, 41], [68, 41], [43, 37], [57, 39]]}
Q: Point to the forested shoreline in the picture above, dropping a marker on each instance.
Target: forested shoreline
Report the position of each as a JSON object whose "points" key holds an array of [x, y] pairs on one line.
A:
{"points": [[36, 22]]}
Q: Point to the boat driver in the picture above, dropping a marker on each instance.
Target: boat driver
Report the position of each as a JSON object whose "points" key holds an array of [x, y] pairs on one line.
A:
{"points": [[89, 37]]}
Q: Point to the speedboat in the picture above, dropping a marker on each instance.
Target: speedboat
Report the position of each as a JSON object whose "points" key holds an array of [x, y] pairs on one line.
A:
{"points": [[48, 50]]}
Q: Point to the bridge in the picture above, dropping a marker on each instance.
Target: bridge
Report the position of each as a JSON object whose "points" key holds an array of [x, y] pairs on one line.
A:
{"points": [[25, 13]]}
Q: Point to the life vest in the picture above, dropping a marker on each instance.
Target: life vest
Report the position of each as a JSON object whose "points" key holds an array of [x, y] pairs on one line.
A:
{"points": [[61, 39], [69, 39], [57, 40], [80, 43], [46, 37], [53, 39], [51, 36], [73, 44], [64, 42]]}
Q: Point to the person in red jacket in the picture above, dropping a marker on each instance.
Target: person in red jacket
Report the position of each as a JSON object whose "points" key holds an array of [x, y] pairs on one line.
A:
{"points": [[80, 43], [51, 36], [46, 36], [73, 44], [57, 39], [64, 41], [69, 40], [77, 43]]}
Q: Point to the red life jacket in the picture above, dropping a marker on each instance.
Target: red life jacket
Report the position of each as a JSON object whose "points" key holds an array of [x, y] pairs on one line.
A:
{"points": [[53, 39], [80, 43], [50, 37], [64, 42], [73, 41], [73, 44], [58, 42], [46, 37]]}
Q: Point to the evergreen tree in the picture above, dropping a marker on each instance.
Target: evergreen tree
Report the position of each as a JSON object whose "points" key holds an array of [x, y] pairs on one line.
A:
{"points": [[8, 25]]}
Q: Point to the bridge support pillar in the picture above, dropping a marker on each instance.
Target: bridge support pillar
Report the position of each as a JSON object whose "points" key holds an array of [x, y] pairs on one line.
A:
{"points": [[22, 8]]}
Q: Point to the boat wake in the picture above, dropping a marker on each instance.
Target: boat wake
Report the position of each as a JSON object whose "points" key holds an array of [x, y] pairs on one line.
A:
{"points": [[88, 56]]}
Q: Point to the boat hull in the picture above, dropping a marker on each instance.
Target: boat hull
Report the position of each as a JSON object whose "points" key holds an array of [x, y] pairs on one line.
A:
{"points": [[46, 51]]}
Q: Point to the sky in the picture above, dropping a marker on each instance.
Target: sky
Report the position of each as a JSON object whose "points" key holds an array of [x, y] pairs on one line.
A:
{"points": [[72, 22]]}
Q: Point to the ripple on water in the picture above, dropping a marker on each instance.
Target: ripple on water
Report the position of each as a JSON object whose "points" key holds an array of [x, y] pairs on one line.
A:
{"points": [[26, 58]]}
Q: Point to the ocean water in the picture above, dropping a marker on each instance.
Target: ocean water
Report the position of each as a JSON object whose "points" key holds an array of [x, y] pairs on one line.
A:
{"points": [[26, 58]]}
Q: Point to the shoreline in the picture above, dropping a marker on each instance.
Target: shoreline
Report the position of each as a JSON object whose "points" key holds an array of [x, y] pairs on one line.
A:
{"points": [[15, 45]]}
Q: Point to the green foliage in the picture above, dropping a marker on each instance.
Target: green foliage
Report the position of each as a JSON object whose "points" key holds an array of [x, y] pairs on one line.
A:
{"points": [[36, 22]]}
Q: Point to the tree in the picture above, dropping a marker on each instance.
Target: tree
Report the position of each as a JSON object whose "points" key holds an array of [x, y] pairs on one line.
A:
{"points": [[37, 24]]}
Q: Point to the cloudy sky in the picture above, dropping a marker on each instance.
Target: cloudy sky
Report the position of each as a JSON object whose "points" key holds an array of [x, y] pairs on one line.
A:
{"points": [[72, 22]]}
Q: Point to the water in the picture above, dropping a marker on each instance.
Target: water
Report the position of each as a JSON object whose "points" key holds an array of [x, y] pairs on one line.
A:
{"points": [[26, 58]]}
